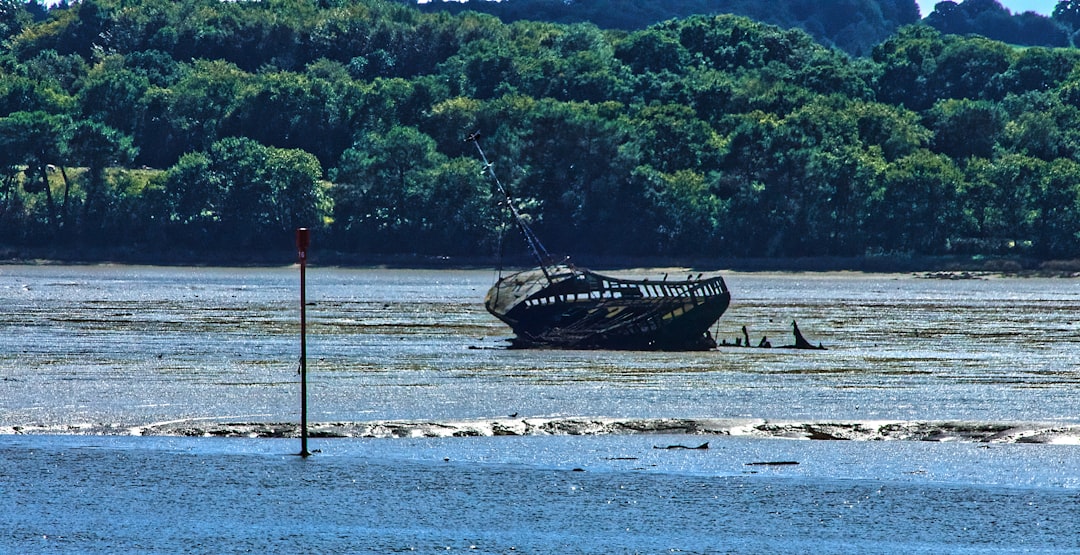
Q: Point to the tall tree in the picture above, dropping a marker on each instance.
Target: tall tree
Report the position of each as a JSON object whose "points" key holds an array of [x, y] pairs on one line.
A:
{"points": [[36, 139], [98, 146], [966, 128], [916, 210], [377, 180], [243, 191]]}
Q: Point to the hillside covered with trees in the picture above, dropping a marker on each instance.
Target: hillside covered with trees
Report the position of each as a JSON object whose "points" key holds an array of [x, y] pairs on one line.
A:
{"points": [[199, 124], [854, 26]]}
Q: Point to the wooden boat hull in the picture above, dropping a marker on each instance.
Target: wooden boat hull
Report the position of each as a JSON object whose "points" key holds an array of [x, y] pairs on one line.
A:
{"points": [[578, 309]]}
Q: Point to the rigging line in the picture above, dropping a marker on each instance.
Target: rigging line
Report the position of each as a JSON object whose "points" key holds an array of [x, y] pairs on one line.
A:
{"points": [[499, 246], [535, 245], [500, 254]]}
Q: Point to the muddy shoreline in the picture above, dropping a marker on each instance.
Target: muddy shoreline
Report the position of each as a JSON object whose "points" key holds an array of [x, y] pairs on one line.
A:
{"points": [[933, 431], [929, 265]]}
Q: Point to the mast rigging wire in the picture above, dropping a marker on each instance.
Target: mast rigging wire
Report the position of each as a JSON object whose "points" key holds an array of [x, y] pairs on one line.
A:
{"points": [[535, 246]]}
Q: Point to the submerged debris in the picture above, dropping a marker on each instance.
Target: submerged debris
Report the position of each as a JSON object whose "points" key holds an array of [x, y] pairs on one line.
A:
{"points": [[702, 446], [800, 341]]}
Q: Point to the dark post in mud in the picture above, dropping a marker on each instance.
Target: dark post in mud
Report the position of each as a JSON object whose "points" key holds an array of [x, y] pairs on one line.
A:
{"points": [[303, 239]]}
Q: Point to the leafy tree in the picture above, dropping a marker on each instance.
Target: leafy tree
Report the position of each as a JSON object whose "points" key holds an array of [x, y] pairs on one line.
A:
{"points": [[805, 198], [202, 100], [55, 75], [249, 193], [1038, 70], [35, 139], [11, 168], [20, 94], [571, 159], [992, 20], [906, 61], [920, 66], [14, 15], [292, 194], [687, 214], [97, 146], [111, 94], [856, 182], [150, 26], [851, 25], [482, 69], [966, 128], [157, 67], [586, 68], [729, 42], [651, 51], [1035, 134], [268, 191], [278, 108], [1067, 12], [916, 210], [998, 199], [377, 181], [88, 34], [672, 137], [894, 130], [386, 103], [1039, 30], [1056, 205], [971, 68], [948, 17], [194, 199], [451, 120], [460, 214]]}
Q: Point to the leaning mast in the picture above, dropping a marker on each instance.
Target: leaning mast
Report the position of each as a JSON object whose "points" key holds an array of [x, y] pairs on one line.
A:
{"points": [[535, 246]]}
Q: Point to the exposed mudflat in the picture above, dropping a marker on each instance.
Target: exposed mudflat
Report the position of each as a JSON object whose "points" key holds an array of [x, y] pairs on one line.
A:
{"points": [[128, 392]]}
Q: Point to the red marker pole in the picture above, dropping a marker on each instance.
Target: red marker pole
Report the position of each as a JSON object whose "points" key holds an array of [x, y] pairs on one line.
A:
{"points": [[303, 239]]}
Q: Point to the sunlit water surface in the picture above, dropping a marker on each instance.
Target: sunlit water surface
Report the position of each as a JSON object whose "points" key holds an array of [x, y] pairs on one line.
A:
{"points": [[98, 349]]}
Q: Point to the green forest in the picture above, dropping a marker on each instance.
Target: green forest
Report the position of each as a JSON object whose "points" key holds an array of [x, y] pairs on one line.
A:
{"points": [[854, 26], [160, 126]]}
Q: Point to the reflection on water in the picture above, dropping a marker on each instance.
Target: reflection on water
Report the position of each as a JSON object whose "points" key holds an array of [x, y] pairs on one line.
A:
{"points": [[126, 346]]}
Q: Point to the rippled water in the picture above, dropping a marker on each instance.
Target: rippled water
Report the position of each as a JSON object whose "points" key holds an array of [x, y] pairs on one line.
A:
{"points": [[102, 349], [564, 494]]}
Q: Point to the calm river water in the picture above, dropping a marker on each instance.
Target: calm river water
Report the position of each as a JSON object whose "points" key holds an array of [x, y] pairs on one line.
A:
{"points": [[91, 357]]}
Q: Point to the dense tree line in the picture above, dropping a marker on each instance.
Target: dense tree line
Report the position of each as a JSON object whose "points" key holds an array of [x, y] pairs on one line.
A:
{"points": [[162, 123], [992, 20], [854, 26]]}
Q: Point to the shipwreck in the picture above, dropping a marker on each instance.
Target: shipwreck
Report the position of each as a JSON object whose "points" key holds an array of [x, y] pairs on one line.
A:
{"points": [[558, 305]]}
